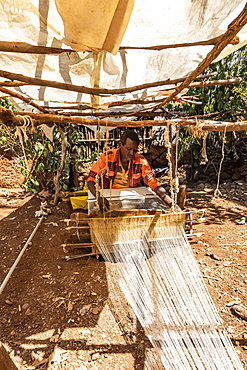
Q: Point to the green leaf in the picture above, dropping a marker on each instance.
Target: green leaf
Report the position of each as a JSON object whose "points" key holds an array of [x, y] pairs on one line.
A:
{"points": [[53, 223]]}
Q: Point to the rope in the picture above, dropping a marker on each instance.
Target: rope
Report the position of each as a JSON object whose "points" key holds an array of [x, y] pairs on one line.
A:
{"points": [[174, 186], [217, 192]]}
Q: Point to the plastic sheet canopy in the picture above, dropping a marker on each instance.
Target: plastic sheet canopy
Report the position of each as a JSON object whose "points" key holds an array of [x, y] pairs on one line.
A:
{"points": [[95, 30]]}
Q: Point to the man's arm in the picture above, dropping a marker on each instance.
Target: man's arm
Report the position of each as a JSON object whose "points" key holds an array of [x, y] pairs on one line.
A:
{"points": [[161, 192]]}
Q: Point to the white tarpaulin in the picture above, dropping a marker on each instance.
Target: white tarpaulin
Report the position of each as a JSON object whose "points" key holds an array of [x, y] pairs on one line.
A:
{"points": [[108, 24]]}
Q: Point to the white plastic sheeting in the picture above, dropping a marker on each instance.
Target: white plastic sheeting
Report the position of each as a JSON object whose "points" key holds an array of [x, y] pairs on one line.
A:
{"points": [[84, 24]]}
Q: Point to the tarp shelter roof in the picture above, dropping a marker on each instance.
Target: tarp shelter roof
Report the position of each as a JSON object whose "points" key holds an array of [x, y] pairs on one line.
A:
{"points": [[110, 44]]}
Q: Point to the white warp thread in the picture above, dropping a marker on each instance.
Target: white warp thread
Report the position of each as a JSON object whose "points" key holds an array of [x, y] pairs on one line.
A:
{"points": [[162, 282]]}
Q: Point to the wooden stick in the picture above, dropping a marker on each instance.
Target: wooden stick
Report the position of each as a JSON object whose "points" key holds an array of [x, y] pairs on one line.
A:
{"points": [[68, 258], [23, 98], [210, 277], [20, 255], [77, 228], [216, 82], [10, 119], [84, 245], [212, 41], [88, 90], [223, 41], [183, 99], [12, 83], [23, 47], [19, 83]]}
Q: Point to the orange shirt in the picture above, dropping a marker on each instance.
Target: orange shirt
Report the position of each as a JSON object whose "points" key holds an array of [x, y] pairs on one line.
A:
{"points": [[106, 167], [121, 178]]}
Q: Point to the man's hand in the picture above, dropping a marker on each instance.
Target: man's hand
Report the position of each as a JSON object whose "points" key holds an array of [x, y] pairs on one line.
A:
{"points": [[104, 204]]}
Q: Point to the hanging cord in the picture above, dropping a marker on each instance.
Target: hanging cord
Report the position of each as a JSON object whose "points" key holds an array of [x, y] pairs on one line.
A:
{"points": [[176, 180], [197, 130], [21, 132], [99, 190], [97, 187], [217, 192], [204, 148], [172, 180], [106, 146]]}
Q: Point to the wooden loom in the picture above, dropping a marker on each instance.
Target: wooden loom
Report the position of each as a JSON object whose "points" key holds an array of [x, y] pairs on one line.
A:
{"points": [[80, 226]]}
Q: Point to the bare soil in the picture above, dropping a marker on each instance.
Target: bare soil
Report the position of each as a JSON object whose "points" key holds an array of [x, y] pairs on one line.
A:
{"points": [[56, 314]]}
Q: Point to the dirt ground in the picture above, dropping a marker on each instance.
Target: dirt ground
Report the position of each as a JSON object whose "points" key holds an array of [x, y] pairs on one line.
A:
{"points": [[56, 314]]}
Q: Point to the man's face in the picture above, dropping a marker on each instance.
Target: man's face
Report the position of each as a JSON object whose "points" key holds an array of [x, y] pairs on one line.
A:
{"points": [[128, 150]]}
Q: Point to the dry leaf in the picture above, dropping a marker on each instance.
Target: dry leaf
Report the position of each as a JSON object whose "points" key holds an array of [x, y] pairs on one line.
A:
{"points": [[70, 306], [232, 303]]}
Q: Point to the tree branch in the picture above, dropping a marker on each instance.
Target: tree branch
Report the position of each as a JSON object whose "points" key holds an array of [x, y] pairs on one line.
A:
{"points": [[233, 28], [212, 41], [23, 47], [23, 98]]}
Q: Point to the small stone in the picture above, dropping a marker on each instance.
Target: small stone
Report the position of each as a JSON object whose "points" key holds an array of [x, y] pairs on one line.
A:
{"points": [[25, 306], [82, 367], [95, 356], [200, 186], [28, 312], [96, 310]]}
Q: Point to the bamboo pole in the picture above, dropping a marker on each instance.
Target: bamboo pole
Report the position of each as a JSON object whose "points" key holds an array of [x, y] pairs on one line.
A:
{"points": [[234, 27]]}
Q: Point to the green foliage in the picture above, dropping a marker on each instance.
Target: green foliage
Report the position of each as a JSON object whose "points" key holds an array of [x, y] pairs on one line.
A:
{"points": [[45, 157], [228, 100], [222, 102], [8, 140], [42, 157], [95, 154]]}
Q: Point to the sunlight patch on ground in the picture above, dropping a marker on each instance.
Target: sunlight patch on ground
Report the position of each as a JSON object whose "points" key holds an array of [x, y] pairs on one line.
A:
{"points": [[42, 336]]}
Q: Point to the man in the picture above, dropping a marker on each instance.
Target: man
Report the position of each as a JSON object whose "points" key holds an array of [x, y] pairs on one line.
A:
{"points": [[124, 167]]}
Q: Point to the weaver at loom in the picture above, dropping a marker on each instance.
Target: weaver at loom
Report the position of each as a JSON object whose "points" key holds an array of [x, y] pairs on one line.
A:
{"points": [[151, 261], [125, 168]]}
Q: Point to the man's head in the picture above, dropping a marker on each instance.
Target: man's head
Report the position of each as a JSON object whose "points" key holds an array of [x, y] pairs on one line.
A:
{"points": [[129, 142]]}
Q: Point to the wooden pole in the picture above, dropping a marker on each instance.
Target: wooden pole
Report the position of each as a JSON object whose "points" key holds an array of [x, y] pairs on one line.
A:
{"points": [[212, 41], [233, 28], [88, 90], [23, 98], [13, 119], [19, 257], [23, 47]]}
